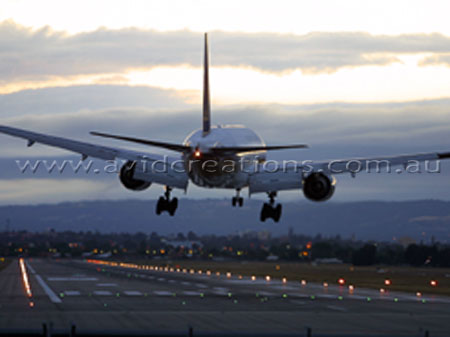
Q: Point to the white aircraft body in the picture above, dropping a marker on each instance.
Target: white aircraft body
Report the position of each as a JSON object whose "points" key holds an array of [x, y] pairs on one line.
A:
{"points": [[222, 156]]}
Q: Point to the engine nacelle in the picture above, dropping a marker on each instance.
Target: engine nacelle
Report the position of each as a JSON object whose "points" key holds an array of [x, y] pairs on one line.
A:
{"points": [[318, 186], [126, 177]]}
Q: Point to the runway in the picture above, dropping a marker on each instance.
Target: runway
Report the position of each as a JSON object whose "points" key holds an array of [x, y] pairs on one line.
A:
{"points": [[127, 299]]}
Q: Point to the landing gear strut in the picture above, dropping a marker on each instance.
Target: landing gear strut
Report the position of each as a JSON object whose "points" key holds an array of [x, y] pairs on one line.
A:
{"points": [[165, 204], [237, 200], [269, 210]]}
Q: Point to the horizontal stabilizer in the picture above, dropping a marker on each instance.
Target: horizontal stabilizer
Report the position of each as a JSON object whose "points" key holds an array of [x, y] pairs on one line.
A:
{"points": [[170, 146], [237, 149]]}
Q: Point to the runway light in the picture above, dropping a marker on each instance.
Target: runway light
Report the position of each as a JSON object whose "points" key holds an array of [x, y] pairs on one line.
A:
{"points": [[31, 304], [197, 154], [340, 298], [433, 283], [284, 280], [382, 290], [418, 294], [325, 284], [192, 271], [25, 280], [253, 278], [396, 299], [268, 278], [341, 281], [285, 295], [351, 288], [303, 282], [369, 299], [228, 275], [312, 297], [208, 272], [200, 272], [387, 282], [217, 273]]}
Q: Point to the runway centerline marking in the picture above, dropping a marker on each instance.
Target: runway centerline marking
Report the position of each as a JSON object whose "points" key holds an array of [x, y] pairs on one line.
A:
{"points": [[106, 284], [51, 295]]}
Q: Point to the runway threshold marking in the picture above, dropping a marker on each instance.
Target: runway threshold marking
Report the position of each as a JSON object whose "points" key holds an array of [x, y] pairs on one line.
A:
{"points": [[162, 293], [51, 295], [102, 293], [132, 293]]}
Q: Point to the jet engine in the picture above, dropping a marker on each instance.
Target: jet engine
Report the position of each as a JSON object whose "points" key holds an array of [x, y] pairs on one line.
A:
{"points": [[318, 187], [126, 177]]}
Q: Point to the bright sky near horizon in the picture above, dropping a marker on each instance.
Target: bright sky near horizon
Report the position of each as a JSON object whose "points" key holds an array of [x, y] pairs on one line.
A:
{"points": [[372, 76]]}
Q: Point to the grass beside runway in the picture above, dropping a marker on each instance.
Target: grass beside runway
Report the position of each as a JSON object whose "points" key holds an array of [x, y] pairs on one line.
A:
{"points": [[406, 279]]}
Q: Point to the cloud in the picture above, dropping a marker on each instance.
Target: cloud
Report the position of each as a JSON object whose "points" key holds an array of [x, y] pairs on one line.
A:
{"points": [[333, 130], [44, 54]]}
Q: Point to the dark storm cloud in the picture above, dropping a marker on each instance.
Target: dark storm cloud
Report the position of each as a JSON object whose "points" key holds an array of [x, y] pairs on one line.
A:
{"points": [[28, 54]]}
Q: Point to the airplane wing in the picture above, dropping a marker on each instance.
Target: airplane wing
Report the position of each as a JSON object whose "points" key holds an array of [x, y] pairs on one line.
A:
{"points": [[289, 175], [170, 175]]}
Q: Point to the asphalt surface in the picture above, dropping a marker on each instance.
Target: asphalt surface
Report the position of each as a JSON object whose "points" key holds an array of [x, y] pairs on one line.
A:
{"points": [[126, 299]]}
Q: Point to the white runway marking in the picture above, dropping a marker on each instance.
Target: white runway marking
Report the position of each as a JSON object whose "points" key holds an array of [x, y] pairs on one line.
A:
{"points": [[186, 283], [102, 293], [191, 293], [132, 293], [106, 284], [161, 279], [172, 281], [72, 279], [72, 293], [162, 293], [51, 295], [266, 293], [220, 291]]}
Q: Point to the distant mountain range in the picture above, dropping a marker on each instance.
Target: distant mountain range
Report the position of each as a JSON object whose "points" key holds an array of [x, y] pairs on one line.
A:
{"points": [[376, 220]]}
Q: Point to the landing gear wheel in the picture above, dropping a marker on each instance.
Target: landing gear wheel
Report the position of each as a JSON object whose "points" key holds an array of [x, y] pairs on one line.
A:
{"points": [[269, 211], [160, 206], [173, 206], [237, 200], [265, 212], [277, 213], [164, 203]]}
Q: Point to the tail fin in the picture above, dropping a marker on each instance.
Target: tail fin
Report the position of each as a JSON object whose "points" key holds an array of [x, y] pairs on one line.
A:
{"points": [[206, 99]]}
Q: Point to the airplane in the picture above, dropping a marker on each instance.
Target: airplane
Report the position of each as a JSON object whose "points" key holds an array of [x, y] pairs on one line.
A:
{"points": [[238, 157]]}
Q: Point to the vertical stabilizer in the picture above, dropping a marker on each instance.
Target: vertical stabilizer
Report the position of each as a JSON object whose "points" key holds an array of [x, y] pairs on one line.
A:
{"points": [[206, 99]]}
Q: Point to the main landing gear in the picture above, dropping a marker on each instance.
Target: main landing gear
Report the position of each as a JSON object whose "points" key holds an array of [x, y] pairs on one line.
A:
{"points": [[269, 210], [237, 200], [165, 204]]}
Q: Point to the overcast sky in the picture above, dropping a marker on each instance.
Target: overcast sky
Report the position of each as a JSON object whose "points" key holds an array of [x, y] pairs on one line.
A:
{"points": [[350, 78]]}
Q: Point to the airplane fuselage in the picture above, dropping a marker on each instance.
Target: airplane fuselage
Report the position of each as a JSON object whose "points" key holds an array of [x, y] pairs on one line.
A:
{"points": [[206, 168]]}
